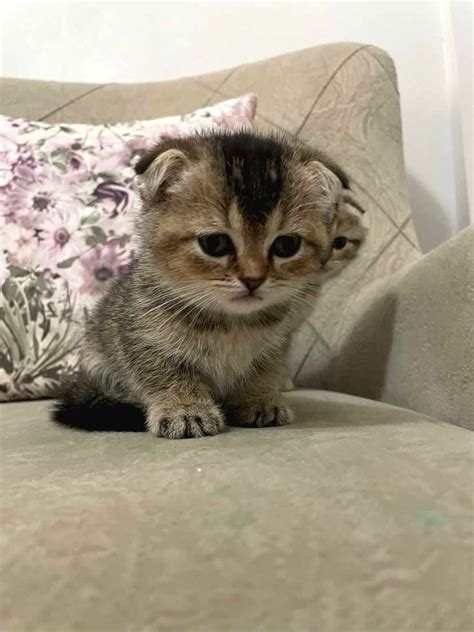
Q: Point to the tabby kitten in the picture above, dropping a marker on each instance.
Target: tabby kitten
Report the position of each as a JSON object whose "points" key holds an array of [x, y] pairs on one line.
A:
{"points": [[237, 232]]}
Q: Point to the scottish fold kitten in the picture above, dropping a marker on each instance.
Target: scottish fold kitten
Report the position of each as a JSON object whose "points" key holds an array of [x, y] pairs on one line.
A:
{"points": [[237, 233]]}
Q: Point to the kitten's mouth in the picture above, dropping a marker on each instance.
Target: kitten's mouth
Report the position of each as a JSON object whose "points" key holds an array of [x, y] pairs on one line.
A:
{"points": [[245, 302], [245, 299]]}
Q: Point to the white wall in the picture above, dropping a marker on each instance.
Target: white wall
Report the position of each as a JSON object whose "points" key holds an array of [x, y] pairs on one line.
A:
{"points": [[104, 42], [457, 20]]}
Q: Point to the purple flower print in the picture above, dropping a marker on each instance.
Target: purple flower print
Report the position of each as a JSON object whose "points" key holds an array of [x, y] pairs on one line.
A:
{"points": [[232, 113], [113, 158], [59, 139], [112, 196], [61, 237], [136, 146], [92, 272], [9, 124], [21, 244], [35, 193], [78, 167], [8, 156]]}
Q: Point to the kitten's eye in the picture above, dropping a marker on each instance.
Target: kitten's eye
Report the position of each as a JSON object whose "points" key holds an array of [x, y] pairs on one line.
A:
{"points": [[339, 243], [286, 246], [216, 244]]}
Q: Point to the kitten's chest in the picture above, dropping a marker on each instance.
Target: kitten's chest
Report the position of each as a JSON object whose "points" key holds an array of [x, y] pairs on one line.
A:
{"points": [[228, 358]]}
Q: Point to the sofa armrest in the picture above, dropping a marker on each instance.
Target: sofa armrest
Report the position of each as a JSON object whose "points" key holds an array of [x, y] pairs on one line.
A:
{"points": [[410, 339]]}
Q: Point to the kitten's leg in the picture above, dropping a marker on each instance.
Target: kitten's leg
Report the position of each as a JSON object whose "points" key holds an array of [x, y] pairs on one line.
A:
{"points": [[286, 381], [183, 411], [259, 403]]}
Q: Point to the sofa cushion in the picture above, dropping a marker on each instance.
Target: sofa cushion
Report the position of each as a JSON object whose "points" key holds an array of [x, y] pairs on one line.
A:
{"points": [[356, 517]]}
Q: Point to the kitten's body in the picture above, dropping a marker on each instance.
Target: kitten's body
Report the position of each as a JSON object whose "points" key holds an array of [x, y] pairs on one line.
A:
{"points": [[223, 352], [175, 336]]}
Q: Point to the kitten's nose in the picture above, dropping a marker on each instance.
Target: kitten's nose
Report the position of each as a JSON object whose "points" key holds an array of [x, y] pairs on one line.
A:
{"points": [[252, 283]]}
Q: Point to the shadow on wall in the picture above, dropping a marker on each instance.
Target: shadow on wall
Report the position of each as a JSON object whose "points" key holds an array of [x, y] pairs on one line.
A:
{"points": [[432, 227], [360, 365]]}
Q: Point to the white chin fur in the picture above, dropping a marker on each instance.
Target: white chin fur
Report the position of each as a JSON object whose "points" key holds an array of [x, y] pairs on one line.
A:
{"points": [[248, 305], [243, 307]]}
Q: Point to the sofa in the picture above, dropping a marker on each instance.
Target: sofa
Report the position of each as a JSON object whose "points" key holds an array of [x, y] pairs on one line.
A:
{"points": [[358, 517]]}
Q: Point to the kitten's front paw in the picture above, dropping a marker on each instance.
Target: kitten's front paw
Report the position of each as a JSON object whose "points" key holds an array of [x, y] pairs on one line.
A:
{"points": [[261, 414], [183, 421]]}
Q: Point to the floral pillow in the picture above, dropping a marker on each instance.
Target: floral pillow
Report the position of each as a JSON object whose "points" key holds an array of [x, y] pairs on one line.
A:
{"points": [[65, 231]]}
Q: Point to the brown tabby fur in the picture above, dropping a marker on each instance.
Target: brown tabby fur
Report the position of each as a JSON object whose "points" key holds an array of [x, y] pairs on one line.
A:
{"points": [[172, 336]]}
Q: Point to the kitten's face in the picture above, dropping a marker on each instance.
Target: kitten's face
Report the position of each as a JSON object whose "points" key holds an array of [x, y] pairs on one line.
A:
{"points": [[242, 227]]}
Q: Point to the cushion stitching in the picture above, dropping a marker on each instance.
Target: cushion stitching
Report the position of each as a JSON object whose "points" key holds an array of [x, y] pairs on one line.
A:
{"points": [[232, 71], [402, 228], [379, 254], [369, 195], [305, 357], [203, 84], [215, 91], [81, 96], [318, 334]]}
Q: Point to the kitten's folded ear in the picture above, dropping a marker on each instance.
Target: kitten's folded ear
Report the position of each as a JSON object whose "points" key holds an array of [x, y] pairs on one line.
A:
{"points": [[349, 199], [327, 188], [332, 184], [326, 181], [156, 174]]}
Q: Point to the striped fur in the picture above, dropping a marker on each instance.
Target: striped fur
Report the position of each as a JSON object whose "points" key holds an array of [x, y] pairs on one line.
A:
{"points": [[183, 342]]}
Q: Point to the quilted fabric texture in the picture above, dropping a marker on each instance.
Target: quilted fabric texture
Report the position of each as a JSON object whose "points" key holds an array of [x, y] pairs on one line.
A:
{"points": [[66, 219], [340, 97]]}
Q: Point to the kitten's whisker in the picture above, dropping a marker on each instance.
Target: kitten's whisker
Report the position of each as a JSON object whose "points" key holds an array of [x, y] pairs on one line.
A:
{"points": [[169, 300], [175, 315], [180, 310], [189, 329], [301, 301], [212, 303], [174, 299]]}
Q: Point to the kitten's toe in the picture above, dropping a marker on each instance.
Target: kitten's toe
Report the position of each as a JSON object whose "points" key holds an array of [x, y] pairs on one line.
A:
{"points": [[186, 422], [274, 415], [262, 414]]}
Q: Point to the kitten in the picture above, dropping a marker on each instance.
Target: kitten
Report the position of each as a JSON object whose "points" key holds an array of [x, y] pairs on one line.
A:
{"points": [[237, 233]]}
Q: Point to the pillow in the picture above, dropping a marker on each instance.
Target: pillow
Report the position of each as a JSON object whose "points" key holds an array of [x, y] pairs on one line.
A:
{"points": [[65, 226]]}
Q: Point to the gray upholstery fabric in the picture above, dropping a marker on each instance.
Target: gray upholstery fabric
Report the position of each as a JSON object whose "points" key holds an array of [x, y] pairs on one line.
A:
{"points": [[356, 518], [410, 338]]}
